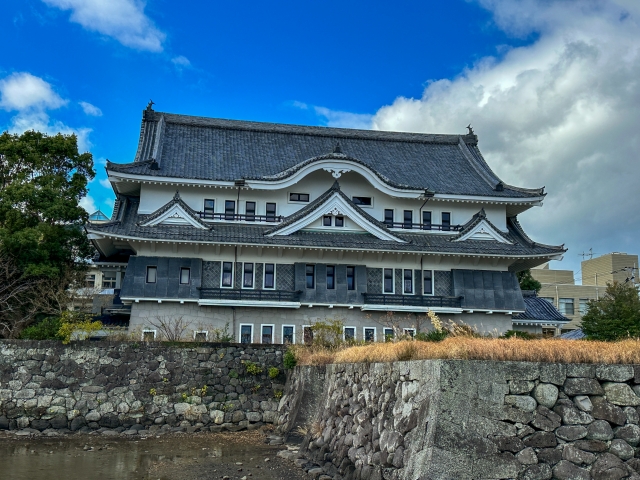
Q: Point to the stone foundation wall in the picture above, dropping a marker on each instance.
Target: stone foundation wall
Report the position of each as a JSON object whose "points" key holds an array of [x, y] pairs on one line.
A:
{"points": [[468, 420], [117, 385]]}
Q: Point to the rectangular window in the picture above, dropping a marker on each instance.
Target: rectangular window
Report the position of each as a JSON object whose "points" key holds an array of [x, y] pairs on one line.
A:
{"points": [[269, 275], [327, 220], [408, 219], [349, 333], [227, 274], [185, 276], [362, 201], [339, 221], [250, 211], [271, 212], [267, 333], [369, 334], [566, 306], [446, 221], [90, 281], [427, 286], [148, 335], [152, 275], [410, 331], [298, 197], [584, 305], [331, 277], [351, 278], [311, 276], [200, 336], [388, 334], [109, 280], [246, 333], [408, 281], [229, 209], [388, 217], [247, 275], [288, 334], [426, 220], [307, 334], [209, 208], [388, 280]]}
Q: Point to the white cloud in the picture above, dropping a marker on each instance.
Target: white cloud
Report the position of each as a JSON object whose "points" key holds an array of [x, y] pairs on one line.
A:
{"points": [[561, 112], [105, 183], [90, 109], [337, 118], [123, 20], [21, 90], [88, 203], [181, 62]]}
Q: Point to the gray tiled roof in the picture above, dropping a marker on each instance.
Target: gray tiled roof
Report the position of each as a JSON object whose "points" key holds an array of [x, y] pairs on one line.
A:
{"points": [[487, 289], [537, 308], [234, 233], [227, 150]]}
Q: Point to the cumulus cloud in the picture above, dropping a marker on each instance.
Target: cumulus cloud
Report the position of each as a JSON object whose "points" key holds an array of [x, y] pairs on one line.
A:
{"points": [[123, 20], [88, 203], [337, 118], [561, 112], [31, 98], [91, 110]]}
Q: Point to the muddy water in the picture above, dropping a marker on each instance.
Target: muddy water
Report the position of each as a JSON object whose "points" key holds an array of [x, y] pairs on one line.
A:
{"points": [[99, 458]]}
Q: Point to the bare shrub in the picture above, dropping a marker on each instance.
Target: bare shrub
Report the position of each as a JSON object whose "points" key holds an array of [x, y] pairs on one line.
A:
{"points": [[170, 328]]}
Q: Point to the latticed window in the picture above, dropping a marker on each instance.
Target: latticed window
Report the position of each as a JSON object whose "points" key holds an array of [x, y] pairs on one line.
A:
{"points": [[566, 306]]}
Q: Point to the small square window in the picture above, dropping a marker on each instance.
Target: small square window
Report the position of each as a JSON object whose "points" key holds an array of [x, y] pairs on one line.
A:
{"points": [[152, 274], [410, 331], [388, 334], [298, 197], [349, 333], [148, 335], [200, 336], [339, 221], [362, 201], [185, 276], [327, 220]]}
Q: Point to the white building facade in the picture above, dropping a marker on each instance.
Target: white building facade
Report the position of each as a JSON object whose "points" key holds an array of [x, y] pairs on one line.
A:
{"points": [[270, 228]]}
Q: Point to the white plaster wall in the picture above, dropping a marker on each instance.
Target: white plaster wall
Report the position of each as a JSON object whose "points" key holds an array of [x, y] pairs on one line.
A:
{"points": [[143, 314]]}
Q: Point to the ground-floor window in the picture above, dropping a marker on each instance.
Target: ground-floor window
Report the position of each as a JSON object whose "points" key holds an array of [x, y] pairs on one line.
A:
{"points": [[369, 334], [388, 334], [246, 333], [548, 332], [410, 331], [307, 334], [267, 334], [289, 334], [349, 333], [200, 335], [148, 335]]}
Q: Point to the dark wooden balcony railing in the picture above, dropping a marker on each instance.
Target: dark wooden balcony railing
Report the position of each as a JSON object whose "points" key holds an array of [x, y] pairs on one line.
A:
{"points": [[412, 300], [248, 294], [424, 226], [237, 217]]}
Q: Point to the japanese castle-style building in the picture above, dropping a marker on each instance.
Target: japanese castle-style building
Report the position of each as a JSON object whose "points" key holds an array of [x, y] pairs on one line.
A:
{"points": [[270, 227]]}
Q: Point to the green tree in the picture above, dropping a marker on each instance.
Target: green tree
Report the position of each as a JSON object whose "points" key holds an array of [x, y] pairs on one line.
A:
{"points": [[527, 282], [42, 179], [615, 315]]}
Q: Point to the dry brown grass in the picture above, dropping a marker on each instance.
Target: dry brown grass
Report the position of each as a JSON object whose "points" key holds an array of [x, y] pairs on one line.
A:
{"points": [[512, 349]]}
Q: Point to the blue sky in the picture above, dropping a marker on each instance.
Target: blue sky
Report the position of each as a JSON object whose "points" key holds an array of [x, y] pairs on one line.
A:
{"points": [[549, 85]]}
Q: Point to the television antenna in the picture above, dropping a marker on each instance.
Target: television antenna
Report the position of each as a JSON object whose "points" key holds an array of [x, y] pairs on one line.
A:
{"points": [[584, 254]]}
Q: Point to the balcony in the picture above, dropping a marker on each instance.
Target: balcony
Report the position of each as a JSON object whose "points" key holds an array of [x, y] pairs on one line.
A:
{"points": [[376, 301], [249, 297], [237, 217], [424, 226]]}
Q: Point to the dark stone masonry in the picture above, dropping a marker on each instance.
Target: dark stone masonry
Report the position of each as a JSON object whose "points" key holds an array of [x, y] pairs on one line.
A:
{"points": [[127, 387], [463, 420]]}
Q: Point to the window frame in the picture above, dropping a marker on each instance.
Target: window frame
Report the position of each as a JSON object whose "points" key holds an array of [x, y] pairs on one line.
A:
{"points": [[271, 217], [209, 211], [353, 277], [340, 219], [393, 281], [404, 282], [350, 327], [586, 305], [446, 226], [149, 330], [240, 333], [250, 217], [375, 334], [150, 268], [313, 276], [562, 306], [427, 225], [113, 280], [362, 205], [293, 334], [90, 278], [333, 277], [388, 336], [406, 330], [188, 282], [407, 225], [196, 332], [432, 282], [227, 214], [324, 221], [388, 222], [264, 277], [222, 272], [273, 333], [300, 195], [253, 276]]}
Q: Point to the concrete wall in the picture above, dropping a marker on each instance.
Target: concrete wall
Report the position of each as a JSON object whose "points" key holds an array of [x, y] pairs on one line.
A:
{"points": [[463, 420], [87, 386]]}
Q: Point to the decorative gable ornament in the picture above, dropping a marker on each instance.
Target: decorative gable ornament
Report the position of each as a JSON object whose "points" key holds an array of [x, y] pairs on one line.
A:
{"points": [[175, 215], [483, 231]]}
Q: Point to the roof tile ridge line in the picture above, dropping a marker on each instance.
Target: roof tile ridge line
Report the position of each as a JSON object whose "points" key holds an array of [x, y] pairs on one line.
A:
{"points": [[312, 130], [163, 209], [338, 156], [157, 147], [305, 210], [520, 231], [147, 128], [539, 191], [475, 220], [114, 166], [486, 176]]}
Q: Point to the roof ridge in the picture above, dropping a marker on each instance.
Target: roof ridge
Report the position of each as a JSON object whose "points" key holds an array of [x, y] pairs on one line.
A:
{"points": [[518, 230], [175, 200], [475, 220]]}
